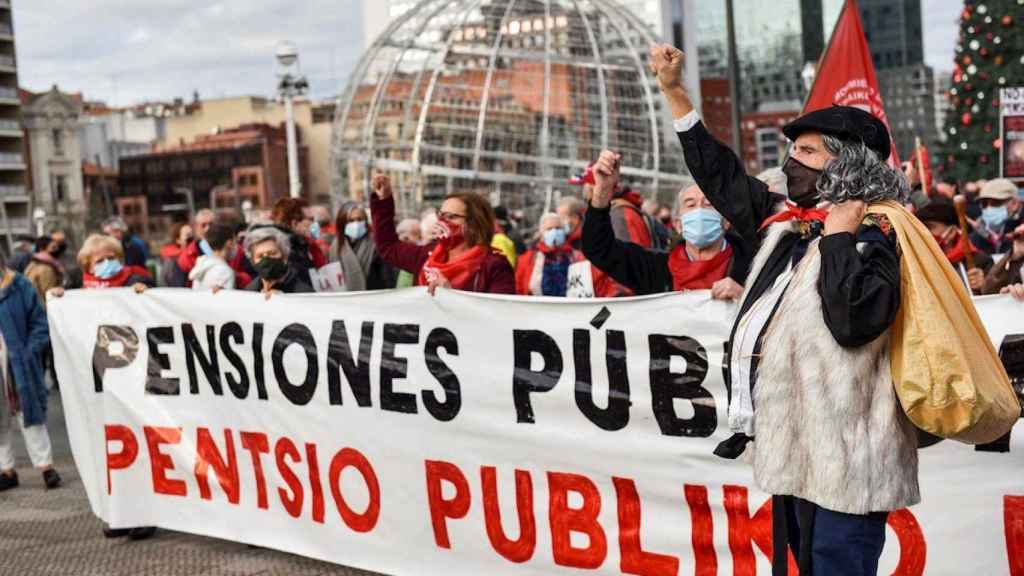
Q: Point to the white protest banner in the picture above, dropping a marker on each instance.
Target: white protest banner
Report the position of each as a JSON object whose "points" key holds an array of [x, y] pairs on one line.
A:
{"points": [[329, 278], [580, 283], [463, 434]]}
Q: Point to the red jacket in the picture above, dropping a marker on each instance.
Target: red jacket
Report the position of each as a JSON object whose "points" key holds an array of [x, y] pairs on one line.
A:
{"points": [[494, 277]]}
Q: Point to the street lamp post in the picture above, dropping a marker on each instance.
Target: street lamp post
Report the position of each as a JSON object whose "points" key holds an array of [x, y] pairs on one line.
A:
{"points": [[39, 215], [291, 83]]}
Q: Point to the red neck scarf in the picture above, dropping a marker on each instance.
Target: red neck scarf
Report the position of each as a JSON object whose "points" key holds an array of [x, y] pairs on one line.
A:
{"points": [[955, 254], [697, 274], [117, 281], [459, 272], [794, 212]]}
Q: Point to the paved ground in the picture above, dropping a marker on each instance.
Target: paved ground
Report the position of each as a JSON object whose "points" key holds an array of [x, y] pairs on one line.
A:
{"points": [[54, 532]]}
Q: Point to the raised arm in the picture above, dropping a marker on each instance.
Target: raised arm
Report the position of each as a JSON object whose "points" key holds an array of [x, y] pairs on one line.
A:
{"points": [[743, 200], [403, 255], [633, 266]]}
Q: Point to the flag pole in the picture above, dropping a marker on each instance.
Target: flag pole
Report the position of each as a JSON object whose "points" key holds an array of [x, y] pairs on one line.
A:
{"points": [[925, 185], [817, 66]]}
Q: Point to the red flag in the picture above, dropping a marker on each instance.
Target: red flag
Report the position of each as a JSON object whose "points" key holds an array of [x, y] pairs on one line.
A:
{"points": [[846, 74]]}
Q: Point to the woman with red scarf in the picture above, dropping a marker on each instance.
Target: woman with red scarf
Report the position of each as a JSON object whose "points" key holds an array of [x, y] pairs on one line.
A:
{"points": [[704, 260], [102, 262], [461, 258], [544, 270]]}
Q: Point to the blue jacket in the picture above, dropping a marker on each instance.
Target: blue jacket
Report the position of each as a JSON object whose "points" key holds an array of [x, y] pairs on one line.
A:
{"points": [[26, 333]]}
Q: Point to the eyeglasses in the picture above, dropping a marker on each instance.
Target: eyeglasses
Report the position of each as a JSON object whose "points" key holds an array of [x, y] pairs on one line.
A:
{"points": [[450, 216]]}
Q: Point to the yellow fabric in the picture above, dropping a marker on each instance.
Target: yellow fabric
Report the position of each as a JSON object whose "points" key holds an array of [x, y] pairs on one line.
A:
{"points": [[506, 246], [948, 376]]}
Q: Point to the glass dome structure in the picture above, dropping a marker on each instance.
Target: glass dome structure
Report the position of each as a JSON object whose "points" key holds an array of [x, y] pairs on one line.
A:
{"points": [[508, 98]]}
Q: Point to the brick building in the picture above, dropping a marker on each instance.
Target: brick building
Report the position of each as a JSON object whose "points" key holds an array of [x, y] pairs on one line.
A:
{"points": [[222, 170]]}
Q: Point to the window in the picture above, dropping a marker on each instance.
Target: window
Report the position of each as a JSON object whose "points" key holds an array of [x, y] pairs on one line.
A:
{"points": [[767, 147], [58, 141], [60, 189]]}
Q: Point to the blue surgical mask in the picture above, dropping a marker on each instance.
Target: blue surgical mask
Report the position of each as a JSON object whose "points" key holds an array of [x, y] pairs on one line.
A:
{"points": [[995, 216], [354, 231], [107, 269], [314, 230], [205, 247], [554, 237], [702, 227]]}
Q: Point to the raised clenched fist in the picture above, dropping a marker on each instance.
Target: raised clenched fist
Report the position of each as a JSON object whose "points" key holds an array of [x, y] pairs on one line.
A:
{"points": [[667, 66], [606, 179], [382, 186]]}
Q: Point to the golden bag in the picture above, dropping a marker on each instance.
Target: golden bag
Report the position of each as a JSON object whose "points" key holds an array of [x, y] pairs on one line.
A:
{"points": [[947, 375]]}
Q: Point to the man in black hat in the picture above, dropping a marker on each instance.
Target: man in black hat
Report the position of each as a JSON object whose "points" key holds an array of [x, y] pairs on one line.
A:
{"points": [[811, 390]]}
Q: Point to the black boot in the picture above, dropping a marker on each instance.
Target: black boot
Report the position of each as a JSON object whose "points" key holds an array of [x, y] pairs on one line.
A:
{"points": [[51, 478], [142, 533], [109, 532], [8, 481]]}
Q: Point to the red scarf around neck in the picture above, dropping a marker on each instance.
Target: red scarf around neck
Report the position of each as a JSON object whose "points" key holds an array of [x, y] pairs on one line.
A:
{"points": [[794, 212], [697, 274], [459, 272], [955, 254], [117, 281]]}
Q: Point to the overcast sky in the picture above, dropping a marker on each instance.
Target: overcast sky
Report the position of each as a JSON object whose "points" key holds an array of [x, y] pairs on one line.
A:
{"points": [[127, 51]]}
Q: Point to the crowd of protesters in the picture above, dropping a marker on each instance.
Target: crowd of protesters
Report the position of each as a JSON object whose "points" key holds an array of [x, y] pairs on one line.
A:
{"points": [[606, 240]]}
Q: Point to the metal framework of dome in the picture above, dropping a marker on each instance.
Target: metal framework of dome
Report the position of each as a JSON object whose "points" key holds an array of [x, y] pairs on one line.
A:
{"points": [[507, 98]]}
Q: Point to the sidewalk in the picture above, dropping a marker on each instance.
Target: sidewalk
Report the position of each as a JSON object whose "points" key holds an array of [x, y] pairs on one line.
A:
{"points": [[55, 532]]}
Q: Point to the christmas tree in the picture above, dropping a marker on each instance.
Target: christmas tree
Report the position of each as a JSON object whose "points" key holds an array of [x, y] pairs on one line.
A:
{"points": [[989, 56]]}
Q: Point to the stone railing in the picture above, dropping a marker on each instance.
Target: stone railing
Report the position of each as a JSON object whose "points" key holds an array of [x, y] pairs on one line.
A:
{"points": [[11, 158], [7, 60], [10, 93], [12, 190], [10, 125]]}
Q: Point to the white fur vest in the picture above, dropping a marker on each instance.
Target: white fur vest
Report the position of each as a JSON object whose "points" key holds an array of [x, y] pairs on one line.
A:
{"points": [[829, 428]]}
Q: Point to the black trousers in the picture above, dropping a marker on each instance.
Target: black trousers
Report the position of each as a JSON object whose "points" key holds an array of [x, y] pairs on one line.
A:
{"points": [[825, 542]]}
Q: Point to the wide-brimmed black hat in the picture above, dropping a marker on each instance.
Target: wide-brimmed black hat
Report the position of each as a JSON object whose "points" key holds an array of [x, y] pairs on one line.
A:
{"points": [[938, 211], [844, 122]]}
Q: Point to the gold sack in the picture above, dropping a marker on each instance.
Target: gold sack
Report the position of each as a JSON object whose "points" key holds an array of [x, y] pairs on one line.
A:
{"points": [[948, 376]]}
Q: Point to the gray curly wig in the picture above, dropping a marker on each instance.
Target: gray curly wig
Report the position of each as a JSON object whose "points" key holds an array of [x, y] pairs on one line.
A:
{"points": [[857, 173]]}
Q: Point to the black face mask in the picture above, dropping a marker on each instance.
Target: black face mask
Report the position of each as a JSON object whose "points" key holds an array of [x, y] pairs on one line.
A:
{"points": [[271, 269], [59, 250], [802, 183]]}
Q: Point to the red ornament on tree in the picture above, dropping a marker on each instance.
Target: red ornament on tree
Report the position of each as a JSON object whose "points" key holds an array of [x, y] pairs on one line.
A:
{"points": [[984, 52], [984, 158], [997, 143], [1007, 21], [988, 128], [969, 102], [966, 119]]}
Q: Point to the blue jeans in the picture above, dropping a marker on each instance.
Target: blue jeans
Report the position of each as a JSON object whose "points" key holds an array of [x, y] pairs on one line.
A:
{"points": [[833, 543]]}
